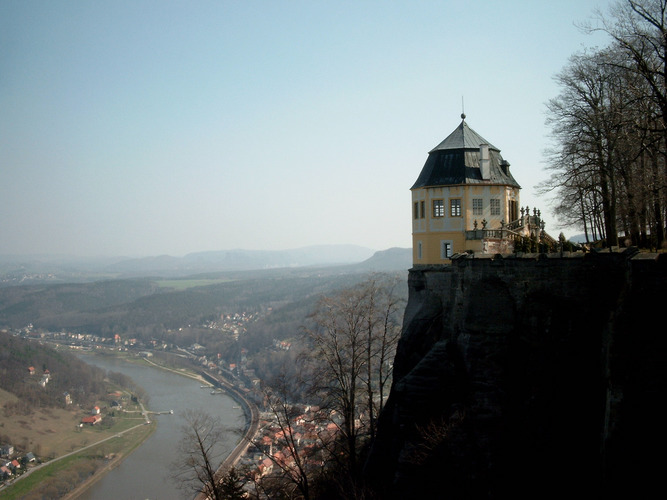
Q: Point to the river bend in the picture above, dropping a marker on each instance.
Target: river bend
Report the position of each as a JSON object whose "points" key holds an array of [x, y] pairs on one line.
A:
{"points": [[145, 474]]}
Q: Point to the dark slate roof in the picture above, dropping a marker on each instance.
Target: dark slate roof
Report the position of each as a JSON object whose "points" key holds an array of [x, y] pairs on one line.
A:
{"points": [[456, 161], [463, 137]]}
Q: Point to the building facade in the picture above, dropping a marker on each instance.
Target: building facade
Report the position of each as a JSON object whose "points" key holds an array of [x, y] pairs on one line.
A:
{"points": [[466, 200]]}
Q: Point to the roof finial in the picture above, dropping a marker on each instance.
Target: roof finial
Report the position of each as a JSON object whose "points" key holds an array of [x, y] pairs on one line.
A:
{"points": [[463, 114]]}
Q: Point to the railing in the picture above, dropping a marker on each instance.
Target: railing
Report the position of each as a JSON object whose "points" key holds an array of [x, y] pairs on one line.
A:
{"points": [[483, 234], [525, 221], [526, 225]]}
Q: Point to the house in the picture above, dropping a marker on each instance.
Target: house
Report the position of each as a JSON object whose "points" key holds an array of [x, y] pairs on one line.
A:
{"points": [[30, 457], [265, 467], [466, 200], [68, 398], [31, 370], [5, 472], [6, 450], [92, 419], [95, 410], [45, 378]]}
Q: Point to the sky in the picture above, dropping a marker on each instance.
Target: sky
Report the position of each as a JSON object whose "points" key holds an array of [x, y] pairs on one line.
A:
{"points": [[141, 128]]}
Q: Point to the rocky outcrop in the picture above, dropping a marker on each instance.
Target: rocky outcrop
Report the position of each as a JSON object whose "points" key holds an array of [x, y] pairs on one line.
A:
{"points": [[527, 376]]}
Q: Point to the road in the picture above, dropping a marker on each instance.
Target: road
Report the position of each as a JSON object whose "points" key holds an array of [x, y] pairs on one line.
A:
{"points": [[37, 467], [247, 438]]}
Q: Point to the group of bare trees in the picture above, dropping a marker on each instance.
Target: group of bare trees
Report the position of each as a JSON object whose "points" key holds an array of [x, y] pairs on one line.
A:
{"points": [[609, 124], [344, 370], [354, 337]]}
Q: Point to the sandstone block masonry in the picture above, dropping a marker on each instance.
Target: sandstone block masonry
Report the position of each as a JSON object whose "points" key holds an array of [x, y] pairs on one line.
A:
{"points": [[528, 376]]}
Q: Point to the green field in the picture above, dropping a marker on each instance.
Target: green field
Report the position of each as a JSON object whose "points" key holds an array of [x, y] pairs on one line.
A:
{"points": [[54, 432], [184, 284], [62, 476]]}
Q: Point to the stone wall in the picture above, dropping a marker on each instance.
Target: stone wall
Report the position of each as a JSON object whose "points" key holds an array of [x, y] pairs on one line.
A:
{"points": [[527, 376]]}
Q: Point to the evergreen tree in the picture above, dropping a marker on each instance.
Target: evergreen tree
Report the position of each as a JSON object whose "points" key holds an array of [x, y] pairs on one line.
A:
{"points": [[231, 486]]}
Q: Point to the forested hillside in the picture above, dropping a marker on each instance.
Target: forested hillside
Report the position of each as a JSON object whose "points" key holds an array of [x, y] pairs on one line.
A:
{"points": [[55, 304], [66, 374], [145, 309]]}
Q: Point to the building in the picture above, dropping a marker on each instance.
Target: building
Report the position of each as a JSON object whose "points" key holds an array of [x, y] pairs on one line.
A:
{"points": [[91, 419], [466, 200]]}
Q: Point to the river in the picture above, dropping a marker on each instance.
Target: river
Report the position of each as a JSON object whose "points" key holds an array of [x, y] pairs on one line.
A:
{"points": [[145, 474]]}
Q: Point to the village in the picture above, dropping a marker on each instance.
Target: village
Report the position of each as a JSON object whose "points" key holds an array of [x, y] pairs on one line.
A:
{"points": [[276, 446], [16, 459], [12, 464]]}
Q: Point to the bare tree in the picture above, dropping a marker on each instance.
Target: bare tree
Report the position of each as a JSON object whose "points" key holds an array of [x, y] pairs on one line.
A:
{"points": [[382, 333], [588, 122], [354, 335], [294, 462], [638, 29], [199, 455]]}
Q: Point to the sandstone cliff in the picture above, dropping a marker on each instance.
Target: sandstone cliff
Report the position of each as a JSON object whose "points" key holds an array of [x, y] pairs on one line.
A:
{"points": [[527, 376]]}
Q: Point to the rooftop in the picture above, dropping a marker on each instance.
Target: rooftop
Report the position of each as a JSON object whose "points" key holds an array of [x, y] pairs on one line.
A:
{"points": [[456, 161]]}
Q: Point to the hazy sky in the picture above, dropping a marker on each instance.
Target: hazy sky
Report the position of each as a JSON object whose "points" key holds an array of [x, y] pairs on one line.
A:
{"points": [[168, 127]]}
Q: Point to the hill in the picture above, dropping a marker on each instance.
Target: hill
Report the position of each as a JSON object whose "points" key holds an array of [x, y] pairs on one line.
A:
{"points": [[34, 269], [54, 374], [147, 306]]}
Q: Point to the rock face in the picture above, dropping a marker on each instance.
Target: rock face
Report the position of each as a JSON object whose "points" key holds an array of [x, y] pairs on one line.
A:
{"points": [[527, 376]]}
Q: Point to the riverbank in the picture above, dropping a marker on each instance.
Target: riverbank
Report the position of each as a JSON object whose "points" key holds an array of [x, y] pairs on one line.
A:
{"points": [[115, 462], [81, 488], [146, 474], [54, 479], [93, 472], [99, 474], [250, 411]]}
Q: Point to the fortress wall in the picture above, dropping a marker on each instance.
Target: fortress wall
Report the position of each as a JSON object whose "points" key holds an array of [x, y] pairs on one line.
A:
{"points": [[525, 375]]}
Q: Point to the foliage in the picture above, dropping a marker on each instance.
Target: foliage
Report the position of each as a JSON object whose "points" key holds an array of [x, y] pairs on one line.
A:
{"points": [[231, 486], [85, 383]]}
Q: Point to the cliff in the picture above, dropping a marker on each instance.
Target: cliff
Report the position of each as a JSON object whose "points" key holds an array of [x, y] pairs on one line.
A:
{"points": [[527, 376]]}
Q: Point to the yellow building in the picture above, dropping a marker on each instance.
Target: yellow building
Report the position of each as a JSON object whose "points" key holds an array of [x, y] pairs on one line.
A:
{"points": [[466, 199]]}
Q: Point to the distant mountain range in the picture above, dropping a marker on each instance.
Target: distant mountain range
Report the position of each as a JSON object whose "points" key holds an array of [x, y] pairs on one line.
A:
{"points": [[40, 269], [244, 260]]}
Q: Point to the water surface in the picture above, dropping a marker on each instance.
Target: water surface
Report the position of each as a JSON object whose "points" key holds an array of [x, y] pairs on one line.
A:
{"points": [[146, 473]]}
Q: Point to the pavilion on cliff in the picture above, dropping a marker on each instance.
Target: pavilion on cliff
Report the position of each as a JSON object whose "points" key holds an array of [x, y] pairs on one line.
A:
{"points": [[466, 200]]}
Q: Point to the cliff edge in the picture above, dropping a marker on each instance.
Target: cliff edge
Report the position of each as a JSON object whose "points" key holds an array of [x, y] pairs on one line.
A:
{"points": [[527, 376]]}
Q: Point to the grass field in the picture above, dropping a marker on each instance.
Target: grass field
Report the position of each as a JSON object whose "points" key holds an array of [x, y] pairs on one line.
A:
{"points": [[180, 285], [46, 432], [53, 432], [62, 476]]}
